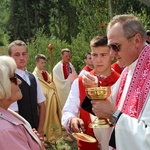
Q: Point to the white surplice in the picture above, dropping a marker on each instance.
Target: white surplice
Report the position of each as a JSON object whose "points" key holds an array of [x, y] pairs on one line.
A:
{"points": [[131, 133]]}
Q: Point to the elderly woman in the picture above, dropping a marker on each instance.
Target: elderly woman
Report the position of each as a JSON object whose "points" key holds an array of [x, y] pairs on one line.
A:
{"points": [[15, 132]]}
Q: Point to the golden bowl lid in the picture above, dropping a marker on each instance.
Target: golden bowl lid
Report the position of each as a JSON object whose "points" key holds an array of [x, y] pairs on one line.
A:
{"points": [[84, 137]]}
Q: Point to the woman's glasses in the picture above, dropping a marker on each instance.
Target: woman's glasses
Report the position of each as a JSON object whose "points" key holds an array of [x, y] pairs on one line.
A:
{"points": [[14, 79]]}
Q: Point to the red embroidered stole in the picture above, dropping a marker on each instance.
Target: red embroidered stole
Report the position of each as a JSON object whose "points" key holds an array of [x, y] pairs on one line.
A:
{"points": [[67, 70], [44, 74], [139, 86]]}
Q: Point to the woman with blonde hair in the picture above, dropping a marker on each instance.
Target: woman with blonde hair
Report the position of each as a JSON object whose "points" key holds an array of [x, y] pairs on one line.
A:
{"points": [[15, 132]]}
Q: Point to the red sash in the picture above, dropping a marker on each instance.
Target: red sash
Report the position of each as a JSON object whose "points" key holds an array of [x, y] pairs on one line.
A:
{"points": [[67, 70], [139, 86]]}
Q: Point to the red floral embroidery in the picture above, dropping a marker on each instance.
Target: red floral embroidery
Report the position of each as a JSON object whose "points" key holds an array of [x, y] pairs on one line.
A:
{"points": [[44, 74], [139, 86]]}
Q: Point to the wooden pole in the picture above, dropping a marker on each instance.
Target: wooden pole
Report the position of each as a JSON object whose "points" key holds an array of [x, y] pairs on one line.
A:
{"points": [[110, 9], [50, 47]]}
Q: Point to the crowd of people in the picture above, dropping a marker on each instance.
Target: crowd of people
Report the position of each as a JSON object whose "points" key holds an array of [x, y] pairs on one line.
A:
{"points": [[36, 107]]}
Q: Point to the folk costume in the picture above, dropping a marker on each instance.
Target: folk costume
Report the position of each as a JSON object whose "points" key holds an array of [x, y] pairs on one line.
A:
{"points": [[63, 76], [86, 68], [117, 68], [132, 130], [73, 108], [52, 126]]}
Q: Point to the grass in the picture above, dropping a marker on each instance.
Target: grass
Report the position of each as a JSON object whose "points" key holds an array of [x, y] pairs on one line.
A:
{"points": [[63, 145]]}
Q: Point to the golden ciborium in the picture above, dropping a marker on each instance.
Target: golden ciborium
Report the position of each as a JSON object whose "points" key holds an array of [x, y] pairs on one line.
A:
{"points": [[99, 93]]}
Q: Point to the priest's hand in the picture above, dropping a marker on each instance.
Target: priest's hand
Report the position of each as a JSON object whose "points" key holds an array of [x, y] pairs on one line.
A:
{"points": [[103, 108], [89, 80], [77, 125]]}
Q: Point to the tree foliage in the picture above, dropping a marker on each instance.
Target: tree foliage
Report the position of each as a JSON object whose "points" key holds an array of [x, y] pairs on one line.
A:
{"points": [[65, 23]]}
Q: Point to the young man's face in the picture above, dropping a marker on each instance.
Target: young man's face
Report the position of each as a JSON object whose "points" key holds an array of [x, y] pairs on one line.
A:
{"points": [[41, 63], [20, 55], [66, 56], [101, 59], [88, 61]]}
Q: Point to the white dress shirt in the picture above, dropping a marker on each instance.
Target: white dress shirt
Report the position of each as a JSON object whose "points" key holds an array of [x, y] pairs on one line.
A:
{"points": [[40, 95]]}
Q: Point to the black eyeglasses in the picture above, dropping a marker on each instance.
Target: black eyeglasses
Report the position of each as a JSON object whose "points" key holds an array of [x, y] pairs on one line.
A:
{"points": [[14, 79], [115, 47]]}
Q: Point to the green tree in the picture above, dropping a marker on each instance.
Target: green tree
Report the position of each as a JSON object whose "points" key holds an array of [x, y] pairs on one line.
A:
{"points": [[4, 15], [93, 17], [65, 23]]}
